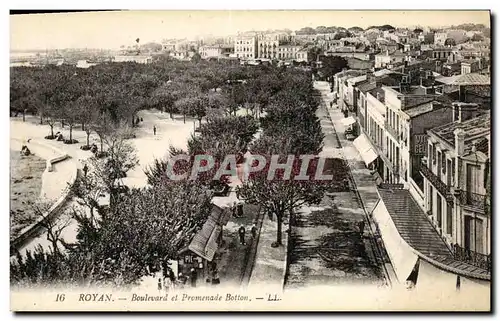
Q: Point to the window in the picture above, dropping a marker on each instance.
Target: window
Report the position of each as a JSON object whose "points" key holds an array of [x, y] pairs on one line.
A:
{"points": [[439, 156], [431, 199], [439, 212], [449, 219], [434, 151]]}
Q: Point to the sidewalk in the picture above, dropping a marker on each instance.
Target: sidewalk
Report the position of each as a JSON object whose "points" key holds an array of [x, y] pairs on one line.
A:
{"points": [[364, 182], [270, 263]]}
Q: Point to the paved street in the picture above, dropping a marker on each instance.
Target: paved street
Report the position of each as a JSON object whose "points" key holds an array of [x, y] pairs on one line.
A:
{"points": [[325, 245]]}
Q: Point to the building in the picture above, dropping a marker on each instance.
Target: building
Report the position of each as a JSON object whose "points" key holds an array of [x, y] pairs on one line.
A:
{"points": [[302, 55], [201, 250], [168, 46], [182, 55], [410, 112], [268, 49], [289, 52], [217, 51], [384, 60], [440, 38], [440, 53], [418, 253], [470, 66], [137, 59], [84, 64], [456, 174], [245, 47]]}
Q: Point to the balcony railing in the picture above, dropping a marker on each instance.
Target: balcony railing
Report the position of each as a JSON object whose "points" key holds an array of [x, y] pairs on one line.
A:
{"points": [[437, 183], [391, 131], [468, 256], [473, 199]]}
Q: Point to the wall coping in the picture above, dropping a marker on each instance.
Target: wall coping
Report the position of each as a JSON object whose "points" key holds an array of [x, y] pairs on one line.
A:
{"points": [[30, 231]]}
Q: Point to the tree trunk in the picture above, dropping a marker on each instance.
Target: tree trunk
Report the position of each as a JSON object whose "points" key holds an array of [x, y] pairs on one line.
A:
{"points": [[41, 118], [184, 118], [24, 115], [83, 126], [51, 130], [171, 115], [280, 227], [71, 133], [88, 136], [62, 123]]}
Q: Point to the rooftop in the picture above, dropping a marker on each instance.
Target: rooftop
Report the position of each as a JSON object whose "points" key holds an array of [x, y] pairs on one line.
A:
{"points": [[380, 92], [473, 79], [418, 232], [476, 129]]}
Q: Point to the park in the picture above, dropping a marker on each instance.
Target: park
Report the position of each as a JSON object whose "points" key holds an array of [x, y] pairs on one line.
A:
{"points": [[121, 123]]}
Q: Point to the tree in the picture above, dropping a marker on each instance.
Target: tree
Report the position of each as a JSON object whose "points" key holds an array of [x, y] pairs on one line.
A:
{"points": [[342, 34], [355, 29], [89, 114], [417, 31], [281, 195], [477, 37], [164, 99], [450, 42], [332, 65]]}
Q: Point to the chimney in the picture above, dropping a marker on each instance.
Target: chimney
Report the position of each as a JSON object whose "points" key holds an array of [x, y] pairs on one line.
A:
{"points": [[369, 75], [459, 141], [403, 102], [467, 111]]}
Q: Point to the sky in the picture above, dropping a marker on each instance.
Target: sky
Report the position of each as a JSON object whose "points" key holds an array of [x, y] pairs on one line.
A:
{"points": [[113, 29]]}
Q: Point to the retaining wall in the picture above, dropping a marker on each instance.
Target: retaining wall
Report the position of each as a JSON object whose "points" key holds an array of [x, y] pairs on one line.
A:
{"points": [[53, 156]]}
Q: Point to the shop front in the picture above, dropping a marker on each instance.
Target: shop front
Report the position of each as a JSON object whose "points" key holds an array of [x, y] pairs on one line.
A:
{"points": [[366, 150], [419, 257], [198, 261]]}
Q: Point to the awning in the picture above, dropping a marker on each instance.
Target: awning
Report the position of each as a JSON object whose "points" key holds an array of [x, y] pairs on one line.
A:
{"points": [[468, 285], [402, 257], [204, 243], [348, 121], [365, 149], [432, 278]]}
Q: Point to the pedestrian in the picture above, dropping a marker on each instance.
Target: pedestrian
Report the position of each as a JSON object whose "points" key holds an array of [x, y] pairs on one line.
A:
{"points": [[239, 210], [254, 231], [331, 104], [270, 214], [85, 170], [167, 283], [241, 232], [159, 284], [154, 130], [361, 226], [194, 277], [233, 209], [142, 119]]}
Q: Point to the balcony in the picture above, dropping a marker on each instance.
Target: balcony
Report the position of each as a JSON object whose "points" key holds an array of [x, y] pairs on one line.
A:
{"points": [[437, 183], [468, 256], [391, 131], [475, 200]]}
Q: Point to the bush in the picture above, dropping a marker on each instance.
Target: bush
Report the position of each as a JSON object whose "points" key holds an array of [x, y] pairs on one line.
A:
{"points": [[85, 147], [50, 137], [100, 154], [70, 141]]}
